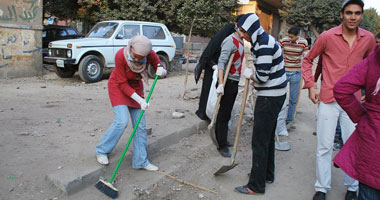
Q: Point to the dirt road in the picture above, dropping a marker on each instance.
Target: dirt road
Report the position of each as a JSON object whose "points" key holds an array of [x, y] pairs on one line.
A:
{"points": [[48, 124]]}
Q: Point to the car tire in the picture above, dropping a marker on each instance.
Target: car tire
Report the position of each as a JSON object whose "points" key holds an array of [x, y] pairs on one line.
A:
{"points": [[91, 69], [164, 61], [66, 72]]}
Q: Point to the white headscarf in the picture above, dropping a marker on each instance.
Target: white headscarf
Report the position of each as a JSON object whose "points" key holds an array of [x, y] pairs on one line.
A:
{"points": [[142, 46]]}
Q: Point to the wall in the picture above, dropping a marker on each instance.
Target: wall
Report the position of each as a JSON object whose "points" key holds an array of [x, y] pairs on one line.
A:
{"points": [[20, 38]]}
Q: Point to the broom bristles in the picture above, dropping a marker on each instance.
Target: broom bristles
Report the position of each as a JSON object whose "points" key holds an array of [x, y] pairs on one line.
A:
{"points": [[107, 188]]}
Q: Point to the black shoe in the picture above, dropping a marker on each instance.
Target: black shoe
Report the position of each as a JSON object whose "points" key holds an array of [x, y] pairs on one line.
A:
{"points": [[202, 115], [229, 144], [197, 72], [319, 196], [225, 152], [350, 195], [269, 181]]}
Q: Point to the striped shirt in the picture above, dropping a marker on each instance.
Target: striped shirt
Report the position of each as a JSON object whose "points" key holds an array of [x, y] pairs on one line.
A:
{"points": [[293, 52], [270, 77]]}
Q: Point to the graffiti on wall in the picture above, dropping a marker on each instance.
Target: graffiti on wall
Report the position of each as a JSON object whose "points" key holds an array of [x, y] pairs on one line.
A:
{"points": [[16, 45], [20, 11]]}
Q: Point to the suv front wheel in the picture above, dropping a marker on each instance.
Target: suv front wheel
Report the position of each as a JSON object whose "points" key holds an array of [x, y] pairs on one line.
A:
{"points": [[91, 69]]}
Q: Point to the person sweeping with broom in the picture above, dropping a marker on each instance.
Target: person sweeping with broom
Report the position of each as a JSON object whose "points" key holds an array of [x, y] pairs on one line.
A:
{"points": [[126, 92]]}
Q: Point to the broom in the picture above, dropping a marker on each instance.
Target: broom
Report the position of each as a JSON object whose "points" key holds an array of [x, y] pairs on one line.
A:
{"points": [[106, 187]]}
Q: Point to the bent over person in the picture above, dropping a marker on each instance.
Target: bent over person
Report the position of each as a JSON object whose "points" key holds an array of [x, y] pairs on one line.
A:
{"points": [[270, 83], [340, 48], [232, 45], [126, 92]]}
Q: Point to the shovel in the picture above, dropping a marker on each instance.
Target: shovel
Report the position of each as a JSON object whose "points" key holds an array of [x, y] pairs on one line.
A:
{"points": [[281, 146], [211, 125], [226, 168]]}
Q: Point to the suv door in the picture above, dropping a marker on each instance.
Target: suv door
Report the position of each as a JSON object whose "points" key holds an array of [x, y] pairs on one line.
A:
{"points": [[126, 32]]}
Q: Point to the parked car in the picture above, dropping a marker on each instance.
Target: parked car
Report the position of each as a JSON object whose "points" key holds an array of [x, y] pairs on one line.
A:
{"points": [[89, 55], [53, 32]]}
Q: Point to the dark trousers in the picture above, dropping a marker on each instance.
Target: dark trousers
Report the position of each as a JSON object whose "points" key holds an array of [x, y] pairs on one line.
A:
{"points": [[264, 126], [368, 193], [224, 113], [206, 84]]}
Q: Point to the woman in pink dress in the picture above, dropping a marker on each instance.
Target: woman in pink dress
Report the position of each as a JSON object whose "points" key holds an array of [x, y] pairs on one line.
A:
{"points": [[360, 155]]}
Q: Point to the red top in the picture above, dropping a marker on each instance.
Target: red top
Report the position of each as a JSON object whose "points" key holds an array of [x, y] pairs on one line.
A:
{"points": [[123, 82], [337, 58]]}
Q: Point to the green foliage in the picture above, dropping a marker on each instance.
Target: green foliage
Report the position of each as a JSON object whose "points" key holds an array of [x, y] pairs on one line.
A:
{"points": [[371, 21], [209, 15], [323, 14], [59, 8], [177, 15]]}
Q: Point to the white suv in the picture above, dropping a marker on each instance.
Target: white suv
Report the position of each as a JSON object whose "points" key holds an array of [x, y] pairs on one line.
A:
{"points": [[90, 54]]}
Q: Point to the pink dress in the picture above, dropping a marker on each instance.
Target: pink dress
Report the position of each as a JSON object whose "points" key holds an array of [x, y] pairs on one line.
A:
{"points": [[360, 155]]}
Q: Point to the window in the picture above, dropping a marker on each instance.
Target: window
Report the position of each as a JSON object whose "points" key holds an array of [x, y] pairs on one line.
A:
{"points": [[61, 32], [102, 30], [71, 31], [128, 31], [154, 32]]}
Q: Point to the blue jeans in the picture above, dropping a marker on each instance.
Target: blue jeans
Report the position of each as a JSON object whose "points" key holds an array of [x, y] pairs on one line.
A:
{"points": [[368, 193], [294, 79], [116, 130]]}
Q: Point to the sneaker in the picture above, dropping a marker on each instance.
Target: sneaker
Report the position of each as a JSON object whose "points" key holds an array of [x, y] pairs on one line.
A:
{"points": [[150, 167], [245, 190], [225, 152], [102, 159], [319, 196]]}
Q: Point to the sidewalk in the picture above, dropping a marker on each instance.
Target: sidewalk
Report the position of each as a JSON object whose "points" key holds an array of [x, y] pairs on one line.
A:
{"points": [[50, 127]]}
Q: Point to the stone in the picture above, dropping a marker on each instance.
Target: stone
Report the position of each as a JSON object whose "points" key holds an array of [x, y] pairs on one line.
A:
{"points": [[178, 115]]}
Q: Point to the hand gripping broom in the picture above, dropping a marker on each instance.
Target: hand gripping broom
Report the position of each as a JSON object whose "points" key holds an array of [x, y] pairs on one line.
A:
{"points": [[106, 187]]}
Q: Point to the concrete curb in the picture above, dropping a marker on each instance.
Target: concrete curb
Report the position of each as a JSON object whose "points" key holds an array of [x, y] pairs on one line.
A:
{"points": [[72, 180]]}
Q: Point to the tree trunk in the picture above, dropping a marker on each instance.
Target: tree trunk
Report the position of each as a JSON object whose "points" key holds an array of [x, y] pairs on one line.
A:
{"points": [[188, 57], [314, 29]]}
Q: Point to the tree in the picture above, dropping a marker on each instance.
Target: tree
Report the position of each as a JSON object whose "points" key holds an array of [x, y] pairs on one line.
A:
{"points": [[59, 8], [371, 21], [177, 15], [208, 15], [319, 15]]}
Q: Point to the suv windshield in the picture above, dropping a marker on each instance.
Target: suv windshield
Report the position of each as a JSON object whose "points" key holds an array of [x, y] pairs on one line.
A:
{"points": [[102, 30]]}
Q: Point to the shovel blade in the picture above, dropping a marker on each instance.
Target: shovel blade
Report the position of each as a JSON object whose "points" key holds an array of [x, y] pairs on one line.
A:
{"points": [[282, 146], [211, 133], [225, 169]]}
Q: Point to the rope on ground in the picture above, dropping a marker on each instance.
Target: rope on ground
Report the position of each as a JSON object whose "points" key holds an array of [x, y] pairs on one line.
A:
{"points": [[185, 182]]}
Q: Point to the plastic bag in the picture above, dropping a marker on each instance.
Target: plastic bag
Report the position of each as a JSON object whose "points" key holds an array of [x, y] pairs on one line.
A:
{"points": [[212, 95]]}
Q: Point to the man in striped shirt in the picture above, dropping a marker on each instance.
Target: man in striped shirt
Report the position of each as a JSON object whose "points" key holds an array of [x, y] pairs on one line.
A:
{"points": [[270, 83], [294, 48]]}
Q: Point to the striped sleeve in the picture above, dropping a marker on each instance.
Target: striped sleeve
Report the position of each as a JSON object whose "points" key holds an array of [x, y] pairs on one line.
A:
{"points": [[268, 64]]}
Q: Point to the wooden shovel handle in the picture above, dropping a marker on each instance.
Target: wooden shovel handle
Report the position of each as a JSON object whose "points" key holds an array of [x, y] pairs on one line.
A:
{"points": [[242, 107], [224, 84]]}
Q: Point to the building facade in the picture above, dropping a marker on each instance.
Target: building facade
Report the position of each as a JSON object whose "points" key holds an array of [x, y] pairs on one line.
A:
{"points": [[20, 38]]}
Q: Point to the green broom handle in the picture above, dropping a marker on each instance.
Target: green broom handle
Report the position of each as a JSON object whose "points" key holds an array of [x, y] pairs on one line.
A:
{"points": [[133, 132]]}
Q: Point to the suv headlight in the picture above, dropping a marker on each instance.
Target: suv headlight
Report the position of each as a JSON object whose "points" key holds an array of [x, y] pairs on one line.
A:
{"points": [[68, 53], [50, 52]]}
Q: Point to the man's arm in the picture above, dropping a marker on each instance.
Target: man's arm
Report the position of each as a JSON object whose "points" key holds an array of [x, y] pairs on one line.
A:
{"points": [[227, 49], [307, 71]]}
